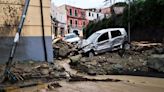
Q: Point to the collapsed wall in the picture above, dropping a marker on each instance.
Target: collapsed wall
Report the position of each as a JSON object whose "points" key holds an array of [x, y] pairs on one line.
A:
{"points": [[30, 46]]}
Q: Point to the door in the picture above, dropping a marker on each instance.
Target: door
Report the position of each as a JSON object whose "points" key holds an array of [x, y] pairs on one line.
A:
{"points": [[62, 32], [102, 43], [116, 38]]}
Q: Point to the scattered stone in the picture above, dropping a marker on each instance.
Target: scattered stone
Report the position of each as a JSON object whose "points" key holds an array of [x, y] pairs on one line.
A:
{"points": [[92, 72], [54, 85]]}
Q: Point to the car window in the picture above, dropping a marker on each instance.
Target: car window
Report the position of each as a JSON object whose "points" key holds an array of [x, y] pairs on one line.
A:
{"points": [[103, 37], [93, 37], [115, 33]]}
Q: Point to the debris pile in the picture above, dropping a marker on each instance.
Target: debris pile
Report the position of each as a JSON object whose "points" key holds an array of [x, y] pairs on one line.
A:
{"points": [[109, 63], [63, 49], [156, 62], [135, 61], [38, 70]]}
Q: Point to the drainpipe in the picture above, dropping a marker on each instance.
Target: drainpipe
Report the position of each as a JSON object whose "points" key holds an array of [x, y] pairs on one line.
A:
{"points": [[43, 32]]}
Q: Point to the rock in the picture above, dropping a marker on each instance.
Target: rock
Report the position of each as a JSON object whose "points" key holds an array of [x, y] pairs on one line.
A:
{"points": [[156, 62], [58, 68], [159, 50], [54, 85], [63, 75], [62, 48], [31, 62], [75, 59], [91, 72], [44, 66], [84, 59], [44, 71]]}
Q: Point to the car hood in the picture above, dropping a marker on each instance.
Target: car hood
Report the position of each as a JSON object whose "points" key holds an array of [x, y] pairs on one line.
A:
{"points": [[83, 43]]}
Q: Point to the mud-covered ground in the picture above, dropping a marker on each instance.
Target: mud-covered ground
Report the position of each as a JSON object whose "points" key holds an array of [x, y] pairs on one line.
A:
{"points": [[145, 62]]}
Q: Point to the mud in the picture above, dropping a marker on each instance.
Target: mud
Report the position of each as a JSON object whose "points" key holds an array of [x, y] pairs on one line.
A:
{"points": [[134, 62], [28, 71]]}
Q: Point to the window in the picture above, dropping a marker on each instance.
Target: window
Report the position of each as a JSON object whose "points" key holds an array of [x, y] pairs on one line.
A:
{"points": [[84, 23], [76, 13], [89, 14], [93, 37], [97, 15], [76, 23], [70, 11], [83, 14], [70, 22], [92, 15], [103, 37], [115, 33]]}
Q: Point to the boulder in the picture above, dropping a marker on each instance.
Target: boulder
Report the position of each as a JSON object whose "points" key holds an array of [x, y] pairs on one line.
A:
{"points": [[75, 59], [156, 62]]}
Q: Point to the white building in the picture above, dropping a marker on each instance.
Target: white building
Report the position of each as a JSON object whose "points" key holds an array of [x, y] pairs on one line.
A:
{"points": [[94, 14], [58, 21]]}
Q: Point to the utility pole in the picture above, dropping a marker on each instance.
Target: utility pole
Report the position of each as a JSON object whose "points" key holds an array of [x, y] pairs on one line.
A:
{"points": [[129, 21]]}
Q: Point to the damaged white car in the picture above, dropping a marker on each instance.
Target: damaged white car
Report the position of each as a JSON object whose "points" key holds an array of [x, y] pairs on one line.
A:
{"points": [[104, 40]]}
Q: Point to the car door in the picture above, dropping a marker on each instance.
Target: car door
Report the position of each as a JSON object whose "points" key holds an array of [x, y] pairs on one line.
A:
{"points": [[116, 38], [102, 43]]}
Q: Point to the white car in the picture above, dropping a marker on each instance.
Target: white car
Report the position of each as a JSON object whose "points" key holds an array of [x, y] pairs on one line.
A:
{"points": [[72, 38], [104, 40]]}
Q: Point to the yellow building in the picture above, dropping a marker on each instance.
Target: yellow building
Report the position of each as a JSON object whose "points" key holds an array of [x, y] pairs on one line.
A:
{"points": [[30, 46]]}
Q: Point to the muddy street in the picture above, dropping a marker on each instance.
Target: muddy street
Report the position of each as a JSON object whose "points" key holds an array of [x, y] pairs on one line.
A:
{"points": [[127, 83]]}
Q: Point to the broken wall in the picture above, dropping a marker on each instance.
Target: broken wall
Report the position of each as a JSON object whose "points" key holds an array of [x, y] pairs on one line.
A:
{"points": [[30, 46]]}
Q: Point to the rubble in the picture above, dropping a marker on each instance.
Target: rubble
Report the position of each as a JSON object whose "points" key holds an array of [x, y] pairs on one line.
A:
{"points": [[136, 61], [133, 62], [109, 63], [156, 62], [38, 70], [63, 49], [54, 85]]}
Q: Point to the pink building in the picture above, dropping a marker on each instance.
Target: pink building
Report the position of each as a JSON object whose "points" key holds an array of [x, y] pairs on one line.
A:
{"points": [[75, 18]]}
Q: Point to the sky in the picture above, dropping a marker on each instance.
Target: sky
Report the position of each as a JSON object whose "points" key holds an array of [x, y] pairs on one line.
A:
{"points": [[82, 3]]}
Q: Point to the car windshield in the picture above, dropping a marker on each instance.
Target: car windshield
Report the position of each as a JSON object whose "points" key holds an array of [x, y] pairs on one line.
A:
{"points": [[93, 37], [70, 36]]}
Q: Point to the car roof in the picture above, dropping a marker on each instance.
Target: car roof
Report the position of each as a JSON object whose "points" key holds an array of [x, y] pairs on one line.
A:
{"points": [[109, 29]]}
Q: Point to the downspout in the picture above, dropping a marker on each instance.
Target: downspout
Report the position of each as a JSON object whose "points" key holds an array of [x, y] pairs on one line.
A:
{"points": [[43, 31]]}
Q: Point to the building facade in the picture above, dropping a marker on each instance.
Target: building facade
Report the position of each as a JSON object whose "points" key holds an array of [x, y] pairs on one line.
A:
{"points": [[94, 14], [58, 21], [30, 46], [75, 18], [118, 9], [106, 11]]}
